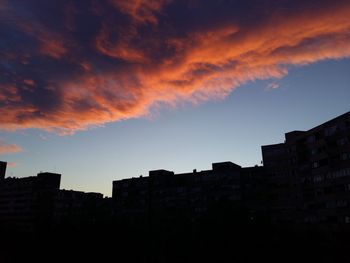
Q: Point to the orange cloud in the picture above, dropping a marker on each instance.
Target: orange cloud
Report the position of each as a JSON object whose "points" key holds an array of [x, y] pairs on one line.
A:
{"points": [[51, 43], [142, 11], [120, 48], [29, 82], [11, 164], [51, 47], [9, 94], [129, 68], [9, 148]]}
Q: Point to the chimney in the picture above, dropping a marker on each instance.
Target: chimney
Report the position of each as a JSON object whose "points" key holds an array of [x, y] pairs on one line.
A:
{"points": [[2, 170]]}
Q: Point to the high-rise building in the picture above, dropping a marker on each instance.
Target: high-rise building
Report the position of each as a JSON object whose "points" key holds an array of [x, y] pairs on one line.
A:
{"points": [[309, 174]]}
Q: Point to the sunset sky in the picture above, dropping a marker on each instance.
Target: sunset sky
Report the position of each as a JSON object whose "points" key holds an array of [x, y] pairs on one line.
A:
{"points": [[104, 90]]}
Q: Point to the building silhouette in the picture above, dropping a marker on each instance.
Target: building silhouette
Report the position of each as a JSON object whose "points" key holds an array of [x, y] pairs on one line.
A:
{"points": [[36, 204], [164, 195], [26, 204], [306, 179], [298, 200], [309, 174]]}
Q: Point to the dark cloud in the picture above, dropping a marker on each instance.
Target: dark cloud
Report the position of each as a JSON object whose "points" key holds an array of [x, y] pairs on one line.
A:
{"points": [[68, 65]]}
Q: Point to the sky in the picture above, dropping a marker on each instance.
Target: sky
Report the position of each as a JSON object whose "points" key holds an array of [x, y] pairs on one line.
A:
{"points": [[105, 90]]}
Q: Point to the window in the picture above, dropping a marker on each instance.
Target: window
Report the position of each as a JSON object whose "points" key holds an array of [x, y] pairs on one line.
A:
{"points": [[323, 162], [315, 165], [331, 130], [347, 187], [293, 161], [311, 139], [342, 141], [345, 156], [331, 204], [319, 192], [342, 203], [318, 178], [318, 135]]}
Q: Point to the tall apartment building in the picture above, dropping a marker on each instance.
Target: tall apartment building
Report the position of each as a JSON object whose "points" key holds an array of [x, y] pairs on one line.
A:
{"points": [[305, 179], [309, 174]]}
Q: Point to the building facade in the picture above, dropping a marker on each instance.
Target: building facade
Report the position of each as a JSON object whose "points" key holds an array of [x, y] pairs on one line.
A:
{"points": [[27, 204], [164, 195], [36, 204], [309, 174], [305, 179]]}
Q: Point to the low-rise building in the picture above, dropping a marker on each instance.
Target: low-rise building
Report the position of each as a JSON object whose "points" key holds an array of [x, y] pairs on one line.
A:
{"points": [[27, 204], [165, 195], [37, 204]]}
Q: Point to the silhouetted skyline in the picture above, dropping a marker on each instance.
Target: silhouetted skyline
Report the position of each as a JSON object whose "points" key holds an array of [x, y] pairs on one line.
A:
{"points": [[304, 179]]}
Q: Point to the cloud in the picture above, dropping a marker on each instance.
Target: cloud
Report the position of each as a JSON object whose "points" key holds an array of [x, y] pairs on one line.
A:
{"points": [[141, 11], [43, 137], [11, 164], [9, 148], [73, 65], [272, 86]]}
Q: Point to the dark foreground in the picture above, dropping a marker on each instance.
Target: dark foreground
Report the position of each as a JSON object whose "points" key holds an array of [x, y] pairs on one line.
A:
{"points": [[210, 241]]}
